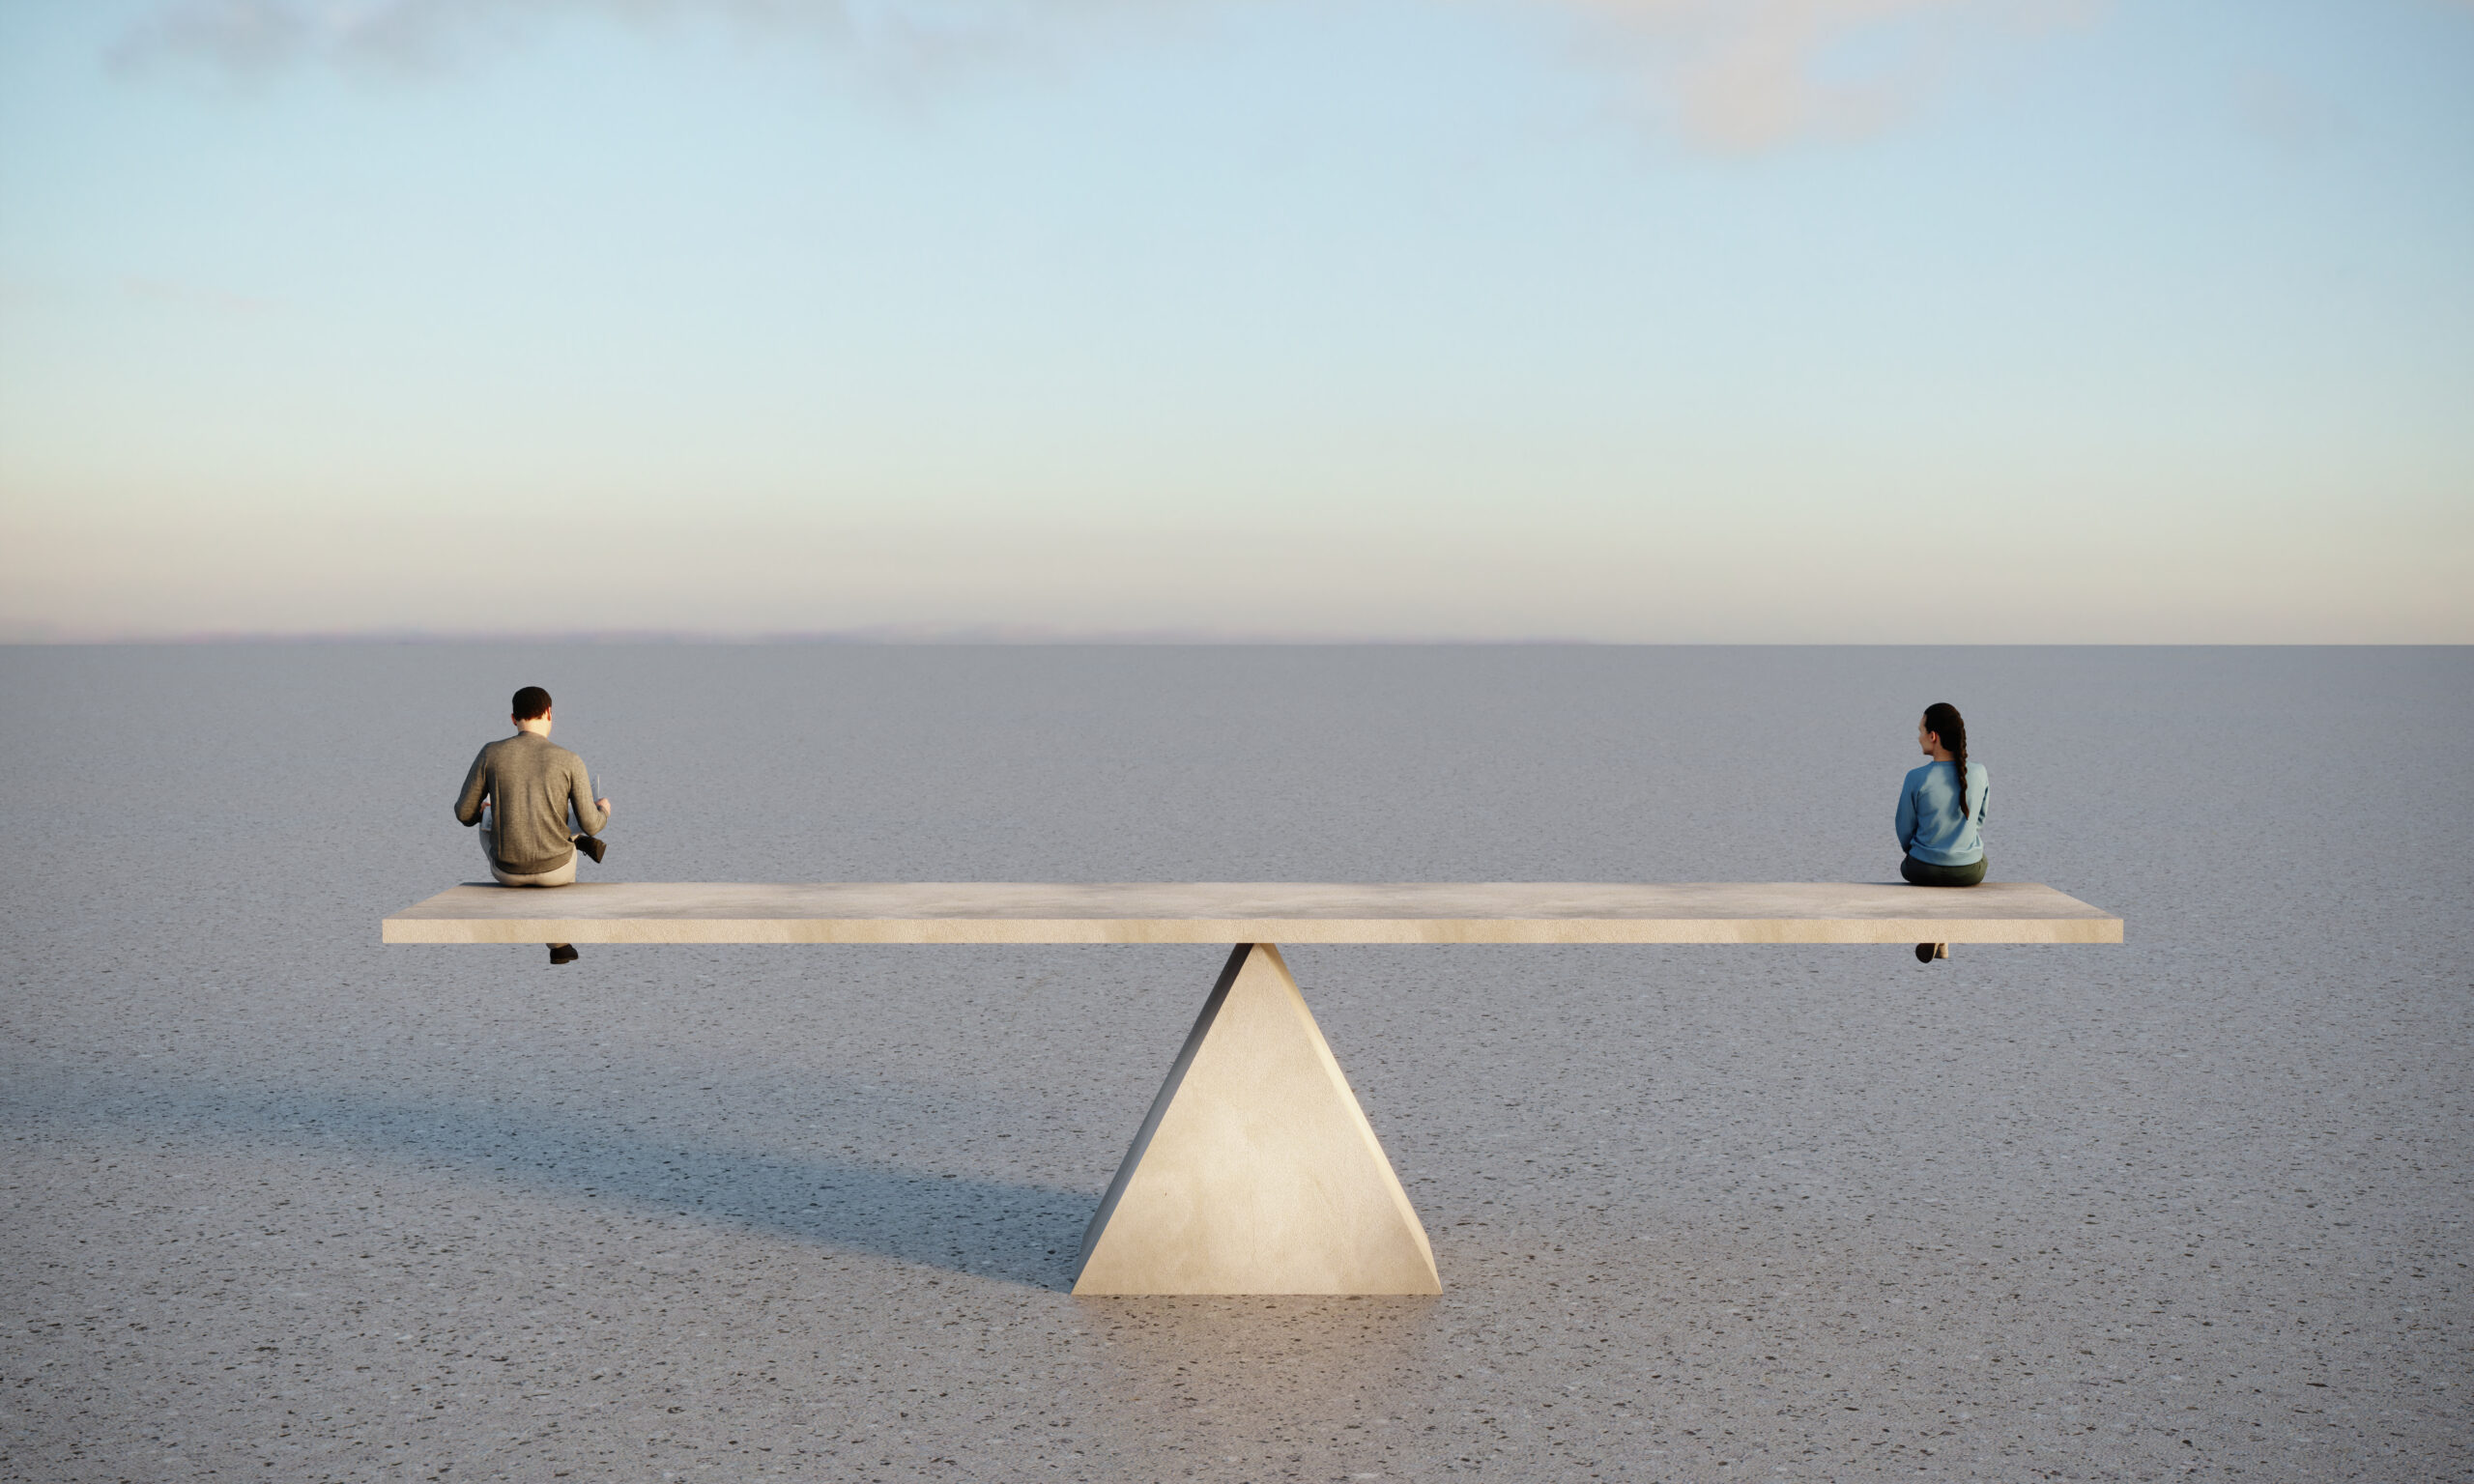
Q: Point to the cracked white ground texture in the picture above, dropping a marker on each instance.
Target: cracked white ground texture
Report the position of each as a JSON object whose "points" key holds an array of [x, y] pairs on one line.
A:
{"points": [[283, 1205]]}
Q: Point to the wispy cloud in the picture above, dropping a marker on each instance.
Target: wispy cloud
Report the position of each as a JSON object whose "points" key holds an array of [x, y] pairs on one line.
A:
{"points": [[1730, 75], [257, 38], [1741, 76]]}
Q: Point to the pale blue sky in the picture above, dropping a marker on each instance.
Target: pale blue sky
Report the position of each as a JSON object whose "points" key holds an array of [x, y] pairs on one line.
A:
{"points": [[1631, 320]]}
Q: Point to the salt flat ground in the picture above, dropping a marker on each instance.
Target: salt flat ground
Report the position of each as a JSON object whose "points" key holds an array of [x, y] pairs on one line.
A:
{"points": [[281, 1203]]}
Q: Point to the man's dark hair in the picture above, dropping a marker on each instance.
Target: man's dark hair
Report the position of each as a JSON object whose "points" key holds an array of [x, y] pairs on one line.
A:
{"points": [[531, 701]]}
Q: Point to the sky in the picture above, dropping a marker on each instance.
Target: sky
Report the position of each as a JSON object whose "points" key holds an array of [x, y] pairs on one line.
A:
{"points": [[1626, 321]]}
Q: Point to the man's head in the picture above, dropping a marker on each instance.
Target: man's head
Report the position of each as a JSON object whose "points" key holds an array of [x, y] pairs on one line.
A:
{"points": [[532, 710]]}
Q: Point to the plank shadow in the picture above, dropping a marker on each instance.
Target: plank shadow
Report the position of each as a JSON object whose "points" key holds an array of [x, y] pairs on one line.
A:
{"points": [[965, 1222]]}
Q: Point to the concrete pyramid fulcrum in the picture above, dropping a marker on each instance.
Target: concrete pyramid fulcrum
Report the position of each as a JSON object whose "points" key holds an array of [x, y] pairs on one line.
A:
{"points": [[1255, 1171]]}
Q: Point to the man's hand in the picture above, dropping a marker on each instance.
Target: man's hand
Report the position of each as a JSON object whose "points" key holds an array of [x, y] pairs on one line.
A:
{"points": [[602, 804]]}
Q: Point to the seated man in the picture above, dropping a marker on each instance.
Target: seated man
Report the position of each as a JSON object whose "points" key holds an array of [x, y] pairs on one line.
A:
{"points": [[530, 786]]}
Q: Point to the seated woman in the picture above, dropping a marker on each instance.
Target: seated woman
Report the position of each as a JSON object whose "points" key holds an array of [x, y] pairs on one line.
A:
{"points": [[1941, 811]]}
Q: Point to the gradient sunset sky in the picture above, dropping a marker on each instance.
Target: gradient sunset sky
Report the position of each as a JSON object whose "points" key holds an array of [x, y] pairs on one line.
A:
{"points": [[1881, 321]]}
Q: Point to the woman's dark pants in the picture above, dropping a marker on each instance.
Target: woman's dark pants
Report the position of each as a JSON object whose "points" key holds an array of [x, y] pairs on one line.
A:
{"points": [[1926, 873]]}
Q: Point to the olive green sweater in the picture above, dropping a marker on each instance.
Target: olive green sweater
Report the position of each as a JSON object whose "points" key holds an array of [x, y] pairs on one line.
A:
{"points": [[532, 783]]}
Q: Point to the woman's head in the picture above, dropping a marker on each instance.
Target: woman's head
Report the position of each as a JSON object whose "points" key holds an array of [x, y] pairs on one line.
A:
{"points": [[1941, 722], [1945, 729]]}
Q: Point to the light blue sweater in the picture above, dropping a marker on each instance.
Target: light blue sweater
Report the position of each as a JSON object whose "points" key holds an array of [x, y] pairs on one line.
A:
{"points": [[1929, 826]]}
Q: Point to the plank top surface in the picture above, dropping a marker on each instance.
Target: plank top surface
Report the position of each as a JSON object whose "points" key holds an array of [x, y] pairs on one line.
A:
{"points": [[1252, 912]]}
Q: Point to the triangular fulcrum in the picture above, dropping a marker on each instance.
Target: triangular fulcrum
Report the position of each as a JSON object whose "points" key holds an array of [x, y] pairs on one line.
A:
{"points": [[1256, 1171]]}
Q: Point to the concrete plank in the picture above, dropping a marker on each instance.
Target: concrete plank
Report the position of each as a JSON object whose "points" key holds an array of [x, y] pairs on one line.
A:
{"points": [[1252, 912]]}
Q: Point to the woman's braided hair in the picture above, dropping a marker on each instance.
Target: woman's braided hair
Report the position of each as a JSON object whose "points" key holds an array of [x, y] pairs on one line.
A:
{"points": [[1941, 719]]}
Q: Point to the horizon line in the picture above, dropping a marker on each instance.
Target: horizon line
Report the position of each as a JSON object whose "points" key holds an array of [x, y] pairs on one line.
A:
{"points": [[1026, 635]]}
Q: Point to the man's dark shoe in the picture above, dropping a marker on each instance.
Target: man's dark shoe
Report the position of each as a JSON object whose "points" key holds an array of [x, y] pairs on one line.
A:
{"points": [[593, 845], [1924, 952], [562, 953]]}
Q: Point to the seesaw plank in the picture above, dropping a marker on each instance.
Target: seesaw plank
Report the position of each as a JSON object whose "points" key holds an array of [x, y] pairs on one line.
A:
{"points": [[1252, 912]]}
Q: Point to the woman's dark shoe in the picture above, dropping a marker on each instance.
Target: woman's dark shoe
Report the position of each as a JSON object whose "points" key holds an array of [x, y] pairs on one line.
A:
{"points": [[593, 846], [562, 953]]}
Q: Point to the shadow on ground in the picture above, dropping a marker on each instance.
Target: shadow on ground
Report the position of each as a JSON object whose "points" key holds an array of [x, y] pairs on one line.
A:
{"points": [[989, 1227]]}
